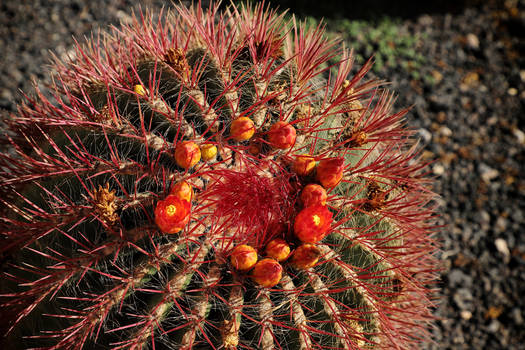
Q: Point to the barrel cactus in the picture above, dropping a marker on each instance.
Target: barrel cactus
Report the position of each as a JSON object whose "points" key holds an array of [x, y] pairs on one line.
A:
{"points": [[214, 180]]}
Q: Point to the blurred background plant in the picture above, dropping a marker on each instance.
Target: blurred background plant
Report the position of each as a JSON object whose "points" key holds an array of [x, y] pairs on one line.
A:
{"points": [[385, 39]]}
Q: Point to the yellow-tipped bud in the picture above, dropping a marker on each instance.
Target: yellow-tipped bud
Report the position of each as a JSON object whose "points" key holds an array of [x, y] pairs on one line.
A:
{"points": [[243, 257], [278, 249], [139, 90], [242, 129], [187, 154], [303, 164], [267, 273], [305, 256], [182, 190], [208, 152]]}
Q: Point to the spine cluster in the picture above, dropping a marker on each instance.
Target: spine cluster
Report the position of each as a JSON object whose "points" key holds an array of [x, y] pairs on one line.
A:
{"points": [[214, 181]]}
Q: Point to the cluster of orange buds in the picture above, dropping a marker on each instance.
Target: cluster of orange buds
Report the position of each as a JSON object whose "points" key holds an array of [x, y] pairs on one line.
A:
{"points": [[329, 171], [314, 221], [266, 272], [303, 257], [311, 225]]}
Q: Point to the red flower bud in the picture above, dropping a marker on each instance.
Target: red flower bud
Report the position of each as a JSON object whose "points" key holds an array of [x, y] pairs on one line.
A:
{"points": [[243, 257], [187, 154], [330, 171], [172, 214], [267, 273], [278, 249], [313, 223], [313, 194], [281, 135], [303, 165], [305, 256], [242, 129], [182, 190]]}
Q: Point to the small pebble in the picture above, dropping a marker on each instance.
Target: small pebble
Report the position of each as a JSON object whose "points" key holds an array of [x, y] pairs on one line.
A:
{"points": [[487, 173], [503, 248], [425, 135], [472, 41], [520, 135], [438, 169], [465, 314], [517, 316], [445, 131]]}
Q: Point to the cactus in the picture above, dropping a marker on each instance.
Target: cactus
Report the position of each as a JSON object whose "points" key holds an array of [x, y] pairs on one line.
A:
{"points": [[155, 201]]}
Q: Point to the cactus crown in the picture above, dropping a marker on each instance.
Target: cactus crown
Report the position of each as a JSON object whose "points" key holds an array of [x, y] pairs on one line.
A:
{"points": [[172, 142]]}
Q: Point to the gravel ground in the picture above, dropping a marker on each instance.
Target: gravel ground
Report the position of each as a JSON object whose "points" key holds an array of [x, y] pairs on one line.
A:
{"points": [[468, 109]]}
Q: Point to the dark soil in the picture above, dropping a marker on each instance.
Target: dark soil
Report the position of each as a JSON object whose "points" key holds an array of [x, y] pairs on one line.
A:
{"points": [[468, 109]]}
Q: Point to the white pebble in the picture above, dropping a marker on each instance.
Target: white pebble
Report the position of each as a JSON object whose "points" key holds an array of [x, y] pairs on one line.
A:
{"points": [[438, 169], [445, 131], [502, 247], [465, 314], [472, 41], [487, 173], [520, 135]]}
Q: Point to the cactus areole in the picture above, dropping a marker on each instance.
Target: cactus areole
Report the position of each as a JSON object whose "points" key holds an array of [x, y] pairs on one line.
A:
{"points": [[155, 202]]}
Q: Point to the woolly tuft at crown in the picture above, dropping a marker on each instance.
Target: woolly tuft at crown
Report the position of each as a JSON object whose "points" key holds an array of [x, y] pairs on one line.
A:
{"points": [[156, 202]]}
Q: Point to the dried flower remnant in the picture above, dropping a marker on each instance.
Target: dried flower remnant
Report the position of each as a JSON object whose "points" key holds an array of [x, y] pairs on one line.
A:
{"points": [[376, 197], [177, 60], [356, 139], [105, 205]]}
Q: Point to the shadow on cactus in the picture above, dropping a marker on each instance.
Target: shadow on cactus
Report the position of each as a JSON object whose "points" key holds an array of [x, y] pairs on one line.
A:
{"points": [[201, 182]]}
